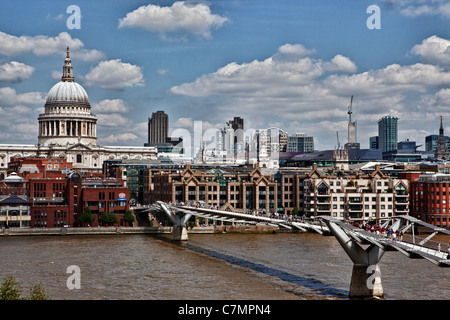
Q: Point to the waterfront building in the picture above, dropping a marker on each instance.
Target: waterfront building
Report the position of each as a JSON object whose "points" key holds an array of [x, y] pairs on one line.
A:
{"points": [[15, 206], [352, 195], [242, 187], [336, 192], [59, 201], [45, 192], [68, 130], [430, 199]]}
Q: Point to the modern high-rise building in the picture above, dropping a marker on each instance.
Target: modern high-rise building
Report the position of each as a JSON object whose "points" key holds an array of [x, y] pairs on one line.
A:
{"points": [[300, 142], [158, 127], [387, 133], [373, 142]]}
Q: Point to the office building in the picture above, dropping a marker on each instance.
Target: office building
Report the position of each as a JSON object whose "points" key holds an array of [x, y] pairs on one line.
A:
{"points": [[387, 133], [373, 142], [300, 142], [158, 128]]}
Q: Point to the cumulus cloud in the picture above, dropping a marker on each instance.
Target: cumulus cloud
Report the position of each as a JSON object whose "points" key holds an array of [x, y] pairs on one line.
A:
{"points": [[288, 70], [415, 8], [42, 45], [434, 50], [9, 97], [111, 105], [115, 74], [15, 71], [121, 137], [113, 120], [292, 87], [181, 17]]}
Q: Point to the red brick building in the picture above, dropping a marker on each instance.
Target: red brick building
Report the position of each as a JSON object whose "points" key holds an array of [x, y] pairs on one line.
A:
{"points": [[429, 199], [58, 195]]}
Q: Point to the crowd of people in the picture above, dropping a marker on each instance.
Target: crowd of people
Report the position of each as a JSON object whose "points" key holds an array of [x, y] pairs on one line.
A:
{"points": [[381, 231]]}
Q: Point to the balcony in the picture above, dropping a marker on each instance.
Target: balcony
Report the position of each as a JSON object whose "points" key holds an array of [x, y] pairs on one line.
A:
{"points": [[323, 208], [355, 208]]}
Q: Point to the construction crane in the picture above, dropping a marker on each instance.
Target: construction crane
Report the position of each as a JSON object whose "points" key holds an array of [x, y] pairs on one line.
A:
{"points": [[350, 110]]}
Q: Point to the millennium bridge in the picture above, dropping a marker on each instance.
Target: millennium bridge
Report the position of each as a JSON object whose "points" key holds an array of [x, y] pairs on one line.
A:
{"points": [[364, 247]]}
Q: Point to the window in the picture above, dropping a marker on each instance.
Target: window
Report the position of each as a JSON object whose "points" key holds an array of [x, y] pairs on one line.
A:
{"points": [[79, 158]]}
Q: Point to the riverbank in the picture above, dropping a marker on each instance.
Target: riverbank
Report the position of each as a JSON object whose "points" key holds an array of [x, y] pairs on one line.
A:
{"points": [[95, 231], [132, 230]]}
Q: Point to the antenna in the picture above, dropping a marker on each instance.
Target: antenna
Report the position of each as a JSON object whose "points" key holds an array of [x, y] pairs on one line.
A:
{"points": [[350, 110]]}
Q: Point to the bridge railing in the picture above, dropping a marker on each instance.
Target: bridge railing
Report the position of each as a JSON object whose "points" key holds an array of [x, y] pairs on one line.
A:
{"points": [[434, 246]]}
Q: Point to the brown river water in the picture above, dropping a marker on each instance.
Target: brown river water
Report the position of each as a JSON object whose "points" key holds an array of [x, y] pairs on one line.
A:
{"points": [[283, 266]]}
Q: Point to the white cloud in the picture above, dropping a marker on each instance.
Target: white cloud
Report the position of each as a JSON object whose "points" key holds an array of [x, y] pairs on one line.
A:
{"points": [[415, 8], [283, 74], [15, 71], [42, 45], [195, 19], [121, 137], [111, 105], [341, 63], [115, 74], [9, 97], [434, 50], [310, 95], [114, 120]]}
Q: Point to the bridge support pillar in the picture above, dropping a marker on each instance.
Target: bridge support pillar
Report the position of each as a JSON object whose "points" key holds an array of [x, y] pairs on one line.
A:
{"points": [[366, 280], [179, 230], [365, 284], [179, 233]]}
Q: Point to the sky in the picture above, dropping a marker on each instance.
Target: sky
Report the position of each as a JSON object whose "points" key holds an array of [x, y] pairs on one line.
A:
{"points": [[287, 64]]}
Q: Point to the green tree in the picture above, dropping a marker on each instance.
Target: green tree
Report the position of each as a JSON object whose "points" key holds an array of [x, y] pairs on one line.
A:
{"points": [[38, 293], [108, 218], [11, 290], [128, 216], [86, 216], [295, 211]]}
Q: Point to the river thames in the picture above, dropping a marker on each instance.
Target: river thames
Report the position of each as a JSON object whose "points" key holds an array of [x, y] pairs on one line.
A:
{"points": [[283, 266]]}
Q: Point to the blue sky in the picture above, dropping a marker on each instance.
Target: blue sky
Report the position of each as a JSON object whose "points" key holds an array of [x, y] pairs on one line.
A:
{"points": [[288, 64]]}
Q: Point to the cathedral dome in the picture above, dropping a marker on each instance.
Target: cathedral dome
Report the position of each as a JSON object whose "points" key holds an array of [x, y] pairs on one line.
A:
{"points": [[67, 91]]}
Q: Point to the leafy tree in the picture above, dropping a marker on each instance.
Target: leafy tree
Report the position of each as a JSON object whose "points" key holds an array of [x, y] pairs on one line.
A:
{"points": [[38, 293], [108, 218], [128, 216], [86, 216], [11, 290], [295, 211]]}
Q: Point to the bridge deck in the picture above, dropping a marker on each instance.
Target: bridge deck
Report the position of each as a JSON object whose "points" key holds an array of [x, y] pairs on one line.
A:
{"points": [[410, 249]]}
